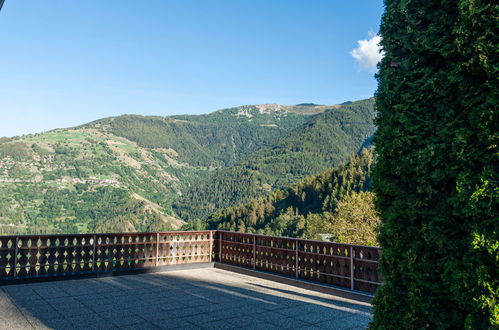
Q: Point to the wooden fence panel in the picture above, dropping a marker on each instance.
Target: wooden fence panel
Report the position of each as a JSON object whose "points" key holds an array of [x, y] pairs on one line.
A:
{"points": [[276, 255], [43, 255], [237, 249], [325, 262], [37, 256], [183, 247], [115, 252], [366, 275], [7, 256], [345, 265]]}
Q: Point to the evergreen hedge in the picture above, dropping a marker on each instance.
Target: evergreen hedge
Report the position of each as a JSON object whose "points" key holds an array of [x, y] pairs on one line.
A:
{"points": [[436, 176]]}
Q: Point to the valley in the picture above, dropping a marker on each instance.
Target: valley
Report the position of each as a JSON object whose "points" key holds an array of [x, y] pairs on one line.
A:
{"points": [[150, 173]]}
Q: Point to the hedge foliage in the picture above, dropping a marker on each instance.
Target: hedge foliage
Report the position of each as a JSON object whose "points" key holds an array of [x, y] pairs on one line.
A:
{"points": [[436, 177]]}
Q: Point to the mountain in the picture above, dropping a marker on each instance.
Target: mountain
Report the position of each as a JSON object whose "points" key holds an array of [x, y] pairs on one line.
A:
{"points": [[321, 143], [308, 208], [214, 140], [132, 173]]}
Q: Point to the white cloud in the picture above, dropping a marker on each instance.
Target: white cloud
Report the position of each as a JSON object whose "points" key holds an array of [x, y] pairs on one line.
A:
{"points": [[368, 53]]}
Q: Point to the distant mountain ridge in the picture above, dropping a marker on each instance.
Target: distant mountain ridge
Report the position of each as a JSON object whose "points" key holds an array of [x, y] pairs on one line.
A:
{"points": [[307, 105], [133, 172], [322, 142]]}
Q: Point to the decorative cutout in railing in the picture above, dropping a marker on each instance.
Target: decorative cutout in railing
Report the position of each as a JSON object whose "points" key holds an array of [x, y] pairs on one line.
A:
{"points": [[351, 266], [37, 256]]}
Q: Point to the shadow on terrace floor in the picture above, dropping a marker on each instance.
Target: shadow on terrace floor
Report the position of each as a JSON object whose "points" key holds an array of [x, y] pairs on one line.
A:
{"points": [[186, 299]]}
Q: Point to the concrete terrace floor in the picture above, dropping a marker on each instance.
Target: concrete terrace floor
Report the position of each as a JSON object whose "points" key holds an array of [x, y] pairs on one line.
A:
{"points": [[205, 298]]}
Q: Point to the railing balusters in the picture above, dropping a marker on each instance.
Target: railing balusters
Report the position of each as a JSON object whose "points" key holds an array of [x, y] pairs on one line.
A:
{"points": [[211, 245], [15, 256], [157, 250], [93, 252], [350, 266], [352, 280], [297, 262], [254, 252], [220, 246], [318, 261]]}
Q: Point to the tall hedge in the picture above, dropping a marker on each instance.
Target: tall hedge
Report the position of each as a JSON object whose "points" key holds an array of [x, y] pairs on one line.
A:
{"points": [[436, 176]]}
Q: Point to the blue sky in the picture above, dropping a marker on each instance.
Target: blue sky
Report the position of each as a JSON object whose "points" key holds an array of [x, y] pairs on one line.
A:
{"points": [[64, 63]]}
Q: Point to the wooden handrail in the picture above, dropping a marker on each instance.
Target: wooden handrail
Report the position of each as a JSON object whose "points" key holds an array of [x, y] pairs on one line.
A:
{"points": [[354, 267], [40, 256]]}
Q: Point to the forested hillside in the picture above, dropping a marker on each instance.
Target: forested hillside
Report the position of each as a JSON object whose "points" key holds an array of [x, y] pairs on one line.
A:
{"points": [[82, 180], [321, 143], [333, 202], [217, 139], [125, 173]]}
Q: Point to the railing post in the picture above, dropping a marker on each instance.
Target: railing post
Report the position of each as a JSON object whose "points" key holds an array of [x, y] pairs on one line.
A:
{"points": [[220, 247], [211, 246], [297, 271], [254, 251], [93, 253], [157, 250], [15, 256], [351, 269]]}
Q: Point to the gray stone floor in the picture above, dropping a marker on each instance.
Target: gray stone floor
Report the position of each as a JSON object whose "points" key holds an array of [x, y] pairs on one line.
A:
{"points": [[205, 298]]}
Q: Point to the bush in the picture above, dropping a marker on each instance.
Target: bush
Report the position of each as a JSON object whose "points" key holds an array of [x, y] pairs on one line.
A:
{"points": [[437, 171]]}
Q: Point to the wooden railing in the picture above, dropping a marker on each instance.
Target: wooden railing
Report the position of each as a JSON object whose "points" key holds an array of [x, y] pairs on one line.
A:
{"points": [[42, 256], [38, 256], [345, 265]]}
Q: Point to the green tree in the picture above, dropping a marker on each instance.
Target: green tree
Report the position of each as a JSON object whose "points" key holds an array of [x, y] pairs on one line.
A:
{"points": [[316, 224], [196, 224], [356, 220], [437, 167]]}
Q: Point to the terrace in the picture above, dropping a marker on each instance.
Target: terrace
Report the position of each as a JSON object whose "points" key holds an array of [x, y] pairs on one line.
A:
{"points": [[205, 279]]}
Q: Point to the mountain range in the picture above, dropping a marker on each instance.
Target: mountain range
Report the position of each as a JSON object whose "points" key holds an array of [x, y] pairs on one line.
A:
{"points": [[148, 173]]}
